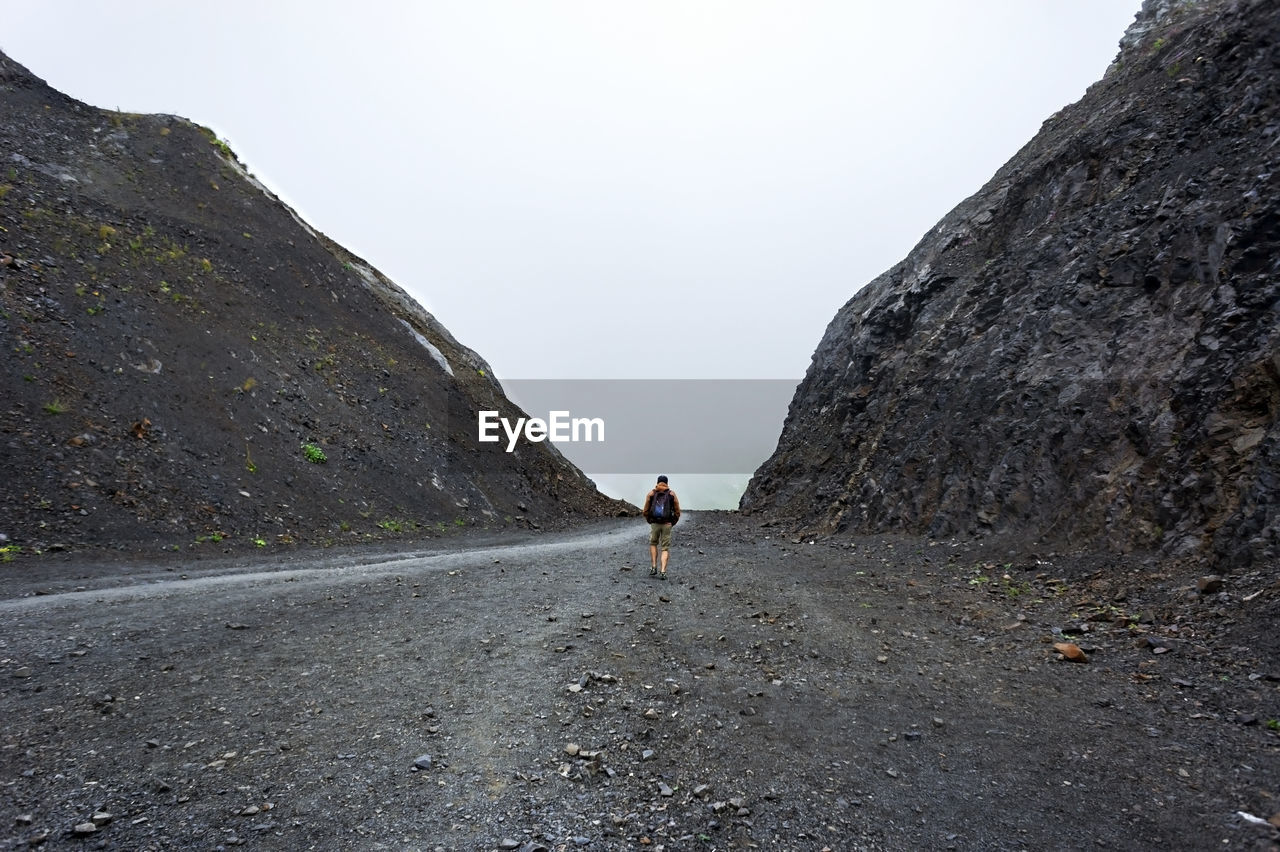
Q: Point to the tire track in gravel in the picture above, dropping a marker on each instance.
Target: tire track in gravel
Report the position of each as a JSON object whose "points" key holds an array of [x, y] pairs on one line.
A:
{"points": [[335, 573]]}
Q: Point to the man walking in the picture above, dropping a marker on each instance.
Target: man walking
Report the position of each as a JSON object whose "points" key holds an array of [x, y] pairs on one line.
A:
{"points": [[662, 511]]}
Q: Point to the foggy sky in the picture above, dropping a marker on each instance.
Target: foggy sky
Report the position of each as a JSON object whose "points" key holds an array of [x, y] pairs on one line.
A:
{"points": [[564, 183]]}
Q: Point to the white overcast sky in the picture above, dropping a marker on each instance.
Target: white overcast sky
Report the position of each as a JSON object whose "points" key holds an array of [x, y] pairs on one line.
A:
{"points": [[564, 183]]}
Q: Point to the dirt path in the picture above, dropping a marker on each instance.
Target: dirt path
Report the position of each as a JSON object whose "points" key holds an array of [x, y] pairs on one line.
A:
{"points": [[81, 586], [865, 694]]}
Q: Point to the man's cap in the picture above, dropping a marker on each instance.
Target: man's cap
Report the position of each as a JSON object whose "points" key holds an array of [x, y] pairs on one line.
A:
{"points": [[662, 478]]}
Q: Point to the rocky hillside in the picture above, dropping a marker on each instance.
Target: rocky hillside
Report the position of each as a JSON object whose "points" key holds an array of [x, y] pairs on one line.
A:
{"points": [[1087, 351], [186, 361]]}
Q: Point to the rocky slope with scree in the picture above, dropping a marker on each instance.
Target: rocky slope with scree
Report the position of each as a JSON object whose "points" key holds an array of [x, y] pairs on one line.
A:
{"points": [[1086, 352], [189, 364]]}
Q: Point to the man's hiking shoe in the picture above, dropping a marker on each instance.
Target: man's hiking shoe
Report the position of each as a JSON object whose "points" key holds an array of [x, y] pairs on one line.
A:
{"points": [[662, 576], [653, 570]]}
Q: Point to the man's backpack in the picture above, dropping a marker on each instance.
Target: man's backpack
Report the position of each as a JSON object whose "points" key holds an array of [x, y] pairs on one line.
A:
{"points": [[661, 510]]}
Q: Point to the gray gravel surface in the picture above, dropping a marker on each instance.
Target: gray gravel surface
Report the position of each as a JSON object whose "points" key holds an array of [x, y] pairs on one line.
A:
{"points": [[870, 693]]}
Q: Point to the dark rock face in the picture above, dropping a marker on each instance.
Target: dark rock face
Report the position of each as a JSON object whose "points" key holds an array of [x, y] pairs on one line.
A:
{"points": [[173, 336], [1086, 351]]}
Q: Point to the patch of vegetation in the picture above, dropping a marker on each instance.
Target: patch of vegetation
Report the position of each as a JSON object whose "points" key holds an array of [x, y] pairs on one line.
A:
{"points": [[4, 190], [260, 542], [211, 537], [172, 251], [1273, 724], [223, 148], [1112, 613], [392, 525], [1000, 581], [1014, 589], [8, 551], [249, 464], [314, 454], [56, 406]]}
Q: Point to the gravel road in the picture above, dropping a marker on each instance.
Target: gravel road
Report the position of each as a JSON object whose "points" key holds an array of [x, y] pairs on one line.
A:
{"points": [[546, 693]]}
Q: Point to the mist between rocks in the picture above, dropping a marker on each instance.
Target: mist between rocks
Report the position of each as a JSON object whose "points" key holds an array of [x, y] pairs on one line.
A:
{"points": [[706, 426], [709, 435]]}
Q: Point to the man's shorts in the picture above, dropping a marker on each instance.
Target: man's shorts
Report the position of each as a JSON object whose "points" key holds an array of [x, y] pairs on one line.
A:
{"points": [[660, 535]]}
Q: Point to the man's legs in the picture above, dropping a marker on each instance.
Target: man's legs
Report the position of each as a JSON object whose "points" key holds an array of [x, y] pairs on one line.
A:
{"points": [[665, 542], [653, 558]]}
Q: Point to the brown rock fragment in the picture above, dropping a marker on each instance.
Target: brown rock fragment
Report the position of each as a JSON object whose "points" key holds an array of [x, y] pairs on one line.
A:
{"points": [[1071, 651], [1209, 585]]}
